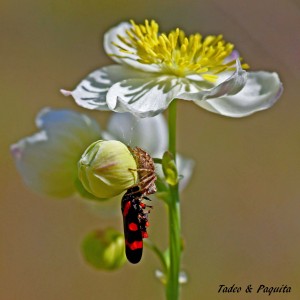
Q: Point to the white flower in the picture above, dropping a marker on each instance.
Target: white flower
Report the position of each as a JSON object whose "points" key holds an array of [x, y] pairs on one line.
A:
{"points": [[153, 69], [150, 134], [47, 160]]}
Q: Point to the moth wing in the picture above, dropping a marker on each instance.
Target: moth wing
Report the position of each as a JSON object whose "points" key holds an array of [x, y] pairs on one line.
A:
{"points": [[132, 232]]}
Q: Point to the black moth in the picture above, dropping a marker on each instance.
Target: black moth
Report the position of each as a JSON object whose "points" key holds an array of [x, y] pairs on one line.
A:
{"points": [[135, 221]]}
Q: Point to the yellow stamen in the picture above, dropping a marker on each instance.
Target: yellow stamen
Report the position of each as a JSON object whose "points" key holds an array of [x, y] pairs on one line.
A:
{"points": [[175, 53]]}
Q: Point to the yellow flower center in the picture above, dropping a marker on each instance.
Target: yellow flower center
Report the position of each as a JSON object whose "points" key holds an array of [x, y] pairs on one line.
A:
{"points": [[177, 53]]}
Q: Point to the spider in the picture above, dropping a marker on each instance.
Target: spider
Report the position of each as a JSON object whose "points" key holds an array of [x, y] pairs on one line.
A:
{"points": [[145, 170]]}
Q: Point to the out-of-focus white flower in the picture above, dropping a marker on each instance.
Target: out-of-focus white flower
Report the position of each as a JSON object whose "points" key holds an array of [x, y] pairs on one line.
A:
{"points": [[47, 160], [150, 134], [153, 69]]}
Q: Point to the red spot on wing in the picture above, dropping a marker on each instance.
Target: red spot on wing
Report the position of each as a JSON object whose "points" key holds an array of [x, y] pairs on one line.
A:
{"points": [[144, 234], [126, 208], [135, 245], [133, 226]]}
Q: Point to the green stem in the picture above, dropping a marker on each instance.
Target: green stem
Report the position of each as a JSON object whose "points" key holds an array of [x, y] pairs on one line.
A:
{"points": [[172, 288], [157, 160]]}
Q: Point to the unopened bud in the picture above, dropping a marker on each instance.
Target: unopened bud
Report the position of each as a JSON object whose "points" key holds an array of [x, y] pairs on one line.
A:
{"points": [[104, 249], [107, 168]]}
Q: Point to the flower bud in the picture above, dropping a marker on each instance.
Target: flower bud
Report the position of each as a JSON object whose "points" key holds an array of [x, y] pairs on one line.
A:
{"points": [[107, 168], [104, 249]]}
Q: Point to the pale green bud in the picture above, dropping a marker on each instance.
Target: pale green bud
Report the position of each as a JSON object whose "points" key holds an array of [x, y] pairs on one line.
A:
{"points": [[107, 168], [104, 249], [169, 168]]}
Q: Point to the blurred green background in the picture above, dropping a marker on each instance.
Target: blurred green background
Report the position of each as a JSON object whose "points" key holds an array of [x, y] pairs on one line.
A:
{"points": [[240, 212]]}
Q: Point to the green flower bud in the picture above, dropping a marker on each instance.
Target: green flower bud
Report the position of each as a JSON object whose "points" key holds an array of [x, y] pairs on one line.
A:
{"points": [[107, 168], [169, 168], [104, 249]]}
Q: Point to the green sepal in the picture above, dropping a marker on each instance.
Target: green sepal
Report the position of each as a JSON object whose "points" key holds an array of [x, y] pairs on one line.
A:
{"points": [[169, 168], [167, 257], [85, 194]]}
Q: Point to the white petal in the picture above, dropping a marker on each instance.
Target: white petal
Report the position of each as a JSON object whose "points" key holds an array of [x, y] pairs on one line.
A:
{"points": [[111, 38], [183, 278], [151, 134], [226, 85], [144, 97], [261, 91], [185, 167], [161, 276], [91, 91], [47, 161]]}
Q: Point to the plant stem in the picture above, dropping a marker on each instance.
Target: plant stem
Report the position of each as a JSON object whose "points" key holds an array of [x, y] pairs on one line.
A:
{"points": [[157, 160], [172, 288]]}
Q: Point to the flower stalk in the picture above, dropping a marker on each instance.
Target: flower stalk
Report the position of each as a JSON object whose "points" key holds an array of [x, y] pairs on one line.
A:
{"points": [[172, 288]]}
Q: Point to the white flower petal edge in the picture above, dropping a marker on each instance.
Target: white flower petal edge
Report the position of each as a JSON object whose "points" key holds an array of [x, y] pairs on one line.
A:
{"points": [[91, 91], [151, 134], [227, 84], [47, 160], [185, 168], [261, 91], [111, 38]]}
